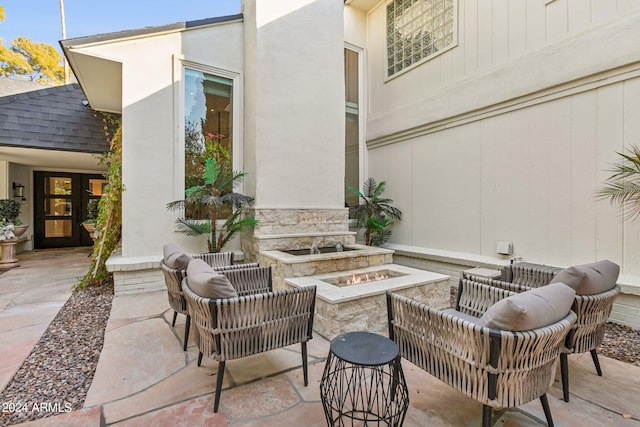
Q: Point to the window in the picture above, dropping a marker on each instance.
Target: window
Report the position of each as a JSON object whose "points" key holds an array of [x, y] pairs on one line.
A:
{"points": [[352, 126], [207, 126], [418, 30]]}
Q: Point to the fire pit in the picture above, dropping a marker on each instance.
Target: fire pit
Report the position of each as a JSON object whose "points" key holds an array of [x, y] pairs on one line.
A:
{"points": [[362, 306], [357, 279]]}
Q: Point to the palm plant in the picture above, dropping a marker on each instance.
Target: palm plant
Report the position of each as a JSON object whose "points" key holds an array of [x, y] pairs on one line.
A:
{"points": [[216, 194], [623, 186], [375, 212]]}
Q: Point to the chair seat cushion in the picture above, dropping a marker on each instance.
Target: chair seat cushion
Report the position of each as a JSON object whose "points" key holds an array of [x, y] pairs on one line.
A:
{"points": [[208, 283], [174, 257], [533, 309], [590, 279]]}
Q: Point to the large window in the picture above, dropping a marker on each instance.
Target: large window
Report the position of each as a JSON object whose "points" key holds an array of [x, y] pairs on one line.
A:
{"points": [[418, 30], [207, 126], [352, 126]]}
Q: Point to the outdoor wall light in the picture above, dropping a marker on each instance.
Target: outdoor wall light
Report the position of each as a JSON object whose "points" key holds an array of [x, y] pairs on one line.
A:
{"points": [[18, 191]]}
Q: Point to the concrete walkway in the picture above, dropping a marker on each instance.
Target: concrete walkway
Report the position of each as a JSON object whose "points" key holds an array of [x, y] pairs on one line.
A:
{"points": [[145, 379]]}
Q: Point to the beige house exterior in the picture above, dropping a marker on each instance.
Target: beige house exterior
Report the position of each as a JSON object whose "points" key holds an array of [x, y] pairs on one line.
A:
{"points": [[502, 135]]}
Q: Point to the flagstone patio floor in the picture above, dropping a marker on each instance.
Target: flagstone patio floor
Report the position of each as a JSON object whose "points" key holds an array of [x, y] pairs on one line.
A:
{"points": [[144, 378]]}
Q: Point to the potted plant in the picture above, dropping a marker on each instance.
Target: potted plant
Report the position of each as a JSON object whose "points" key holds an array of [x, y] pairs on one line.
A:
{"points": [[9, 223], [215, 193], [89, 223], [623, 186], [9, 212], [375, 213]]}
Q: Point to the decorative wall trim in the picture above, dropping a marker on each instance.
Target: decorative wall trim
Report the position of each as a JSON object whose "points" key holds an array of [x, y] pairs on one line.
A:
{"points": [[568, 89]]}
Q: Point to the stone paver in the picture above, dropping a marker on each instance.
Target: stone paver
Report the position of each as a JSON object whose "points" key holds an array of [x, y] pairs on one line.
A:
{"points": [[30, 297]]}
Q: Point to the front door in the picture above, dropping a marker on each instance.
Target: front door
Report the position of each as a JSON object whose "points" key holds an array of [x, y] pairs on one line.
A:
{"points": [[60, 207]]}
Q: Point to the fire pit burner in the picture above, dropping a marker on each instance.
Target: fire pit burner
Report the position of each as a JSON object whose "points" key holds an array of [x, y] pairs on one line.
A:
{"points": [[369, 276]]}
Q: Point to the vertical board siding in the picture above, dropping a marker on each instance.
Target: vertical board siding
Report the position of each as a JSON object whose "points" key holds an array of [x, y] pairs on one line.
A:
{"points": [[500, 30], [490, 33], [584, 166], [579, 12], [556, 15], [517, 37], [631, 250], [528, 176]]}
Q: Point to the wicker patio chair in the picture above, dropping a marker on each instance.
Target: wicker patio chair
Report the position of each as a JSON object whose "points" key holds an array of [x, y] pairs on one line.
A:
{"points": [[593, 311], [499, 369], [173, 279], [256, 321]]}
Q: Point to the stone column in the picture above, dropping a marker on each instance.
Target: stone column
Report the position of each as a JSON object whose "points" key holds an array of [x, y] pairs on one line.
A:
{"points": [[294, 122]]}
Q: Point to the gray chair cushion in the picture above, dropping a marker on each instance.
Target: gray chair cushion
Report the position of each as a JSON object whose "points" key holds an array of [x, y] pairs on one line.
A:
{"points": [[174, 257], [208, 283], [590, 279], [530, 310]]}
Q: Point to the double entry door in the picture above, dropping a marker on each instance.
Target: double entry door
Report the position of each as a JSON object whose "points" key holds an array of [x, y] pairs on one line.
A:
{"points": [[61, 205]]}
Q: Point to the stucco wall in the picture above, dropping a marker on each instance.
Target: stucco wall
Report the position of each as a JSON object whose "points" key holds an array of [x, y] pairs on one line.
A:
{"points": [[295, 95], [153, 153]]}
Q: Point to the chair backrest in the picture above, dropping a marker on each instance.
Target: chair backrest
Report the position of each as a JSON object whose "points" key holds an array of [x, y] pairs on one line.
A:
{"points": [[497, 368], [173, 280], [238, 327], [533, 275], [215, 259], [250, 281], [475, 298], [592, 311]]}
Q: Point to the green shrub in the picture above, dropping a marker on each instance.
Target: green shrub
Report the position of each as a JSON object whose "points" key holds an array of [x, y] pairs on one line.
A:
{"points": [[9, 210]]}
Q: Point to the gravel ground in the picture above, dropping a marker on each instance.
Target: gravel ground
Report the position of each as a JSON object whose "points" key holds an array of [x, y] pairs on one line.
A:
{"points": [[61, 366]]}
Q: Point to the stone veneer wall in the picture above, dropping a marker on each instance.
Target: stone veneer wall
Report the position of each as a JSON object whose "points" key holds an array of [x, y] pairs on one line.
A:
{"points": [[324, 263], [370, 313], [296, 228]]}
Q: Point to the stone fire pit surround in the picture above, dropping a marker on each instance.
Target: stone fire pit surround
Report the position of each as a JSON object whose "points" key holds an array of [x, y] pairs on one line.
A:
{"points": [[362, 307]]}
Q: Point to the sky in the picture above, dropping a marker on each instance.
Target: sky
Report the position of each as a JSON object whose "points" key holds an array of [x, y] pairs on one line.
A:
{"points": [[40, 19]]}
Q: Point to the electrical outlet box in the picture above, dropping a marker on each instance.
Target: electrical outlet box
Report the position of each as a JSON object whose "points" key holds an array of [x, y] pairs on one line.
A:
{"points": [[504, 248]]}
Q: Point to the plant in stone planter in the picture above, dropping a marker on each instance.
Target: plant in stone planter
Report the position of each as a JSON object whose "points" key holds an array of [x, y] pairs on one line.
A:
{"points": [[9, 212], [375, 212]]}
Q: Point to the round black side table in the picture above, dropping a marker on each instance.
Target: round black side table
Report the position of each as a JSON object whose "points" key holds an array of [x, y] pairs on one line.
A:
{"points": [[363, 382]]}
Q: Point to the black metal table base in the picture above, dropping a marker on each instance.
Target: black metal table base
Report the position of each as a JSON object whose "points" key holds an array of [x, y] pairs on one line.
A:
{"points": [[356, 394]]}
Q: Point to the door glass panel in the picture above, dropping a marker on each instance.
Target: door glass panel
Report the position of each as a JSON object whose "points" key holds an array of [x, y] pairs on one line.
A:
{"points": [[57, 228], [58, 207], [58, 185], [96, 186]]}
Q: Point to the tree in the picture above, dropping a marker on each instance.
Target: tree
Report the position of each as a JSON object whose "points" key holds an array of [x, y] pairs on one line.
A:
{"points": [[39, 62], [215, 192], [374, 213], [623, 187]]}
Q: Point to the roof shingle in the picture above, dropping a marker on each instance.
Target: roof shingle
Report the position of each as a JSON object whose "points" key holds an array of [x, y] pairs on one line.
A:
{"points": [[52, 118]]}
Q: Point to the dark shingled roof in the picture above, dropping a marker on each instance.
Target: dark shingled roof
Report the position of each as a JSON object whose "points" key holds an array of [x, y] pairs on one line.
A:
{"points": [[52, 118]]}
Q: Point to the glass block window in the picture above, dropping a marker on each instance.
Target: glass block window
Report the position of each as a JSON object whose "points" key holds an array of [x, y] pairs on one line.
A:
{"points": [[418, 30]]}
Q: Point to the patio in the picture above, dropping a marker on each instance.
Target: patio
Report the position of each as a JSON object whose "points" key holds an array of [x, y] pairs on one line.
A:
{"points": [[144, 378]]}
